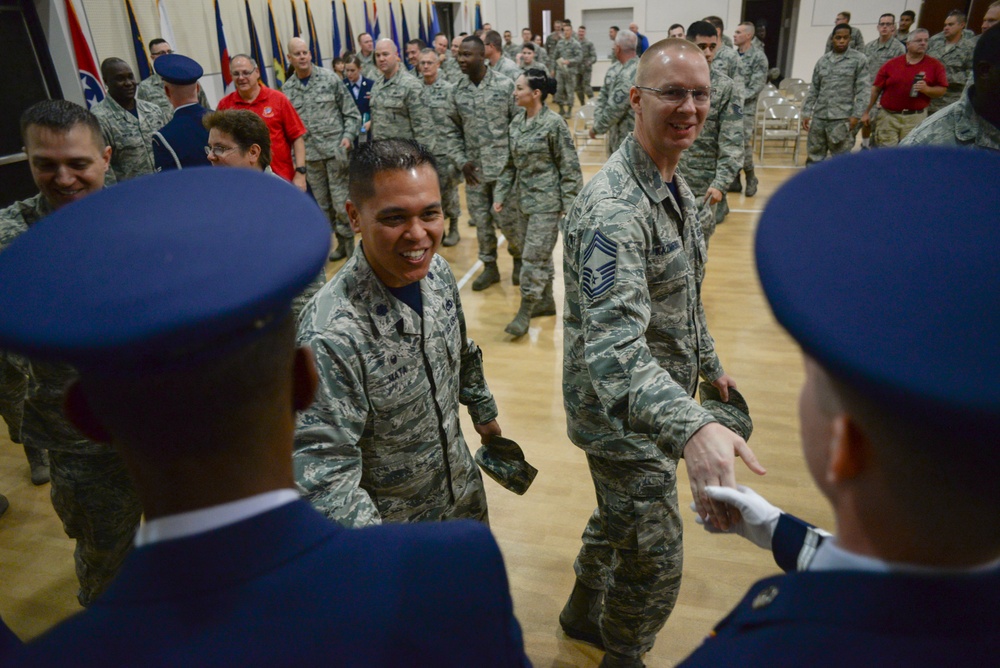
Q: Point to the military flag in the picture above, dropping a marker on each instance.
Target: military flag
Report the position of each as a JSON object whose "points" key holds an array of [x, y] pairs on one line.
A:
{"points": [[313, 37], [220, 32], [434, 27], [348, 30], [281, 66], [393, 34], [255, 51], [420, 21], [368, 21], [406, 30], [479, 16], [86, 63], [375, 26], [336, 30], [295, 21], [141, 57]]}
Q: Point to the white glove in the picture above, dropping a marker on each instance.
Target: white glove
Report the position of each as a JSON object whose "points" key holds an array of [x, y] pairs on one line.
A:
{"points": [[758, 517]]}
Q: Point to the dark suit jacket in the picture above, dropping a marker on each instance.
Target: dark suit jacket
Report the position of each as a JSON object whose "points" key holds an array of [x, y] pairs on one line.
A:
{"points": [[181, 142], [290, 588], [362, 98], [855, 618]]}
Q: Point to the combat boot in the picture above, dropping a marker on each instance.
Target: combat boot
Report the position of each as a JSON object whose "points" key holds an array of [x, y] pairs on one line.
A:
{"points": [[611, 660], [515, 278], [546, 305], [451, 238], [38, 460], [580, 618], [345, 248], [736, 186], [489, 276], [751, 184], [519, 325]]}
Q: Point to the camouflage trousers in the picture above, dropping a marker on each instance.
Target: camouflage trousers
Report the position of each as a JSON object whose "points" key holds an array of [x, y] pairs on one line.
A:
{"points": [[13, 386], [749, 127], [449, 177], [539, 232], [328, 181], [633, 549], [566, 78], [828, 137], [584, 89], [99, 507], [480, 202]]}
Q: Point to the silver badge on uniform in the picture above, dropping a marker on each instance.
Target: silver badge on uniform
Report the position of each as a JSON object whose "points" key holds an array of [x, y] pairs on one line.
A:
{"points": [[599, 264]]}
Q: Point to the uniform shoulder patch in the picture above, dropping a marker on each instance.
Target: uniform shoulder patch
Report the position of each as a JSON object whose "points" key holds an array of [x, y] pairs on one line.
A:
{"points": [[600, 262]]}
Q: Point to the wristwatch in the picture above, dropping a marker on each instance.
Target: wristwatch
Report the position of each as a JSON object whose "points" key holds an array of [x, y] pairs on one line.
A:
{"points": [[301, 170]]}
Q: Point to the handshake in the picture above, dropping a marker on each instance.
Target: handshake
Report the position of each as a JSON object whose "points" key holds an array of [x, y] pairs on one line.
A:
{"points": [[758, 518]]}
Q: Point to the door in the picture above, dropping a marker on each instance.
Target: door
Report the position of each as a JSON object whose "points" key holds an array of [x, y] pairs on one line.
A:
{"points": [[556, 9], [27, 76]]}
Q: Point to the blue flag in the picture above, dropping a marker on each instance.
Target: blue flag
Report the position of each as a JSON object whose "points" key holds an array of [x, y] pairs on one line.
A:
{"points": [[392, 27], [296, 31], [255, 51], [435, 27], [406, 30], [348, 30], [313, 37], [479, 16], [420, 20], [141, 57], [336, 31], [281, 66], [368, 20], [375, 26]]}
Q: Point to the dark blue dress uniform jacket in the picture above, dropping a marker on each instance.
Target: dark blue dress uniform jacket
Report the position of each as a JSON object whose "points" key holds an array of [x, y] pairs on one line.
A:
{"points": [[181, 142]]}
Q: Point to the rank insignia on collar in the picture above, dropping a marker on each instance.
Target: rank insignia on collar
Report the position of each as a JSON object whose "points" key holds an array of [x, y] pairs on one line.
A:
{"points": [[599, 265]]}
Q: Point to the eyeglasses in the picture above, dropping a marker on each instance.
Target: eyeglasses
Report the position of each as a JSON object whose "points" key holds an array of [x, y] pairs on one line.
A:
{"points": [[677, 95], [219, 151], [237, 74], [883, 24], [157, 54]]}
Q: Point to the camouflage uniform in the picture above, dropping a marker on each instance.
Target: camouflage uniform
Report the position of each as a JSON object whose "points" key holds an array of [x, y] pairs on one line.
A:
{"points": [[957, 61], [614, 114], [439, 97], [584, 89], [485, 112], [544, 177], [506, 67], [91, 490], [715, 157], [633, 265], [839, 91], [878, 55], [450, 70], [130, 138], [511, 50], [382, 442], [550, 46], [368, 69], [566, 75], [330, 115], [956, 125], [727, 61], [151, 90], [398, 112], [753, 76]]}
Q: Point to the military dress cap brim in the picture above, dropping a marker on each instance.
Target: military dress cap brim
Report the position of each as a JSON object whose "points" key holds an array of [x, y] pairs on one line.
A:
{"points": [[883, 266], [503, 460], [178, 69], [160, 270]]}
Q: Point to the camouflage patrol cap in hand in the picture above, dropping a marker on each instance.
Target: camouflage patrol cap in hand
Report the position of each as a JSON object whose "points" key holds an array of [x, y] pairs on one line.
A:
{"points": [[503, 460], [733, 414]]}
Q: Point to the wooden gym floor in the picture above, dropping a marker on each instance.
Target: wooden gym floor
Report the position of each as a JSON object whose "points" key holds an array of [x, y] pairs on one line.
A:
{"points": [[539, 532]]}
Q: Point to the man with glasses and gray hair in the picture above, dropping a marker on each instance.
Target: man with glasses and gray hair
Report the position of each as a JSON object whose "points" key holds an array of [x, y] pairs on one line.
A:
{"points": [[614, 115], [634, 259], [286, 128]]}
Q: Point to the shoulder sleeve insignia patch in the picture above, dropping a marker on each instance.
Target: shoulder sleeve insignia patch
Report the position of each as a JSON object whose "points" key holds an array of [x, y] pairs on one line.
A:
{"points": [[599, 264]]}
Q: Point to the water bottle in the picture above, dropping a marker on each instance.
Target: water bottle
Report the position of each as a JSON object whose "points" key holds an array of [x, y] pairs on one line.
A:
{"points": [[916, 79]]}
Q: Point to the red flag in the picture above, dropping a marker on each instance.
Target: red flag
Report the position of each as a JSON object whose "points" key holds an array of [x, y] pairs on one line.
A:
{"points": [[86, 63]]}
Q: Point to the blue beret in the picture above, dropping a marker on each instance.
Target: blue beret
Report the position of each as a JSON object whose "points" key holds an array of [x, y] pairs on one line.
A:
{"points": [[177, 69], [884, 267], [160, 270]]}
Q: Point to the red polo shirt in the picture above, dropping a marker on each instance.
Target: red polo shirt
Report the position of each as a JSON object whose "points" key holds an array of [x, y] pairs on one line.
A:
{"points": [[895, 78], [283, 124]]}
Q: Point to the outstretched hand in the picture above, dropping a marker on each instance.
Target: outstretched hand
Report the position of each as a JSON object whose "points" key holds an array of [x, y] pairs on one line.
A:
{"points": [[757, 518], [709, 455]]}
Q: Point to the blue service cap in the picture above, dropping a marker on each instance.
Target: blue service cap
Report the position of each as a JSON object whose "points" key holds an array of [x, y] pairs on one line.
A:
{"points": [[177, 69], [160, 271], [883, 266]]}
